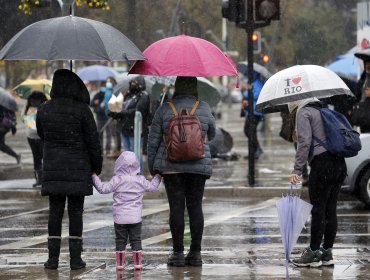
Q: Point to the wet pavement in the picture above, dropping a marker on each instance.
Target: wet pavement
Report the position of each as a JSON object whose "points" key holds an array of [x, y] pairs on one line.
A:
{"points": [[241, 235]]}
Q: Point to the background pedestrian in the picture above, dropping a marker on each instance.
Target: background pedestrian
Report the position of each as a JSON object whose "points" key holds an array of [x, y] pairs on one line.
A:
{"points": [[128, 189], [8, 122], [72, 152], [35, 99]]}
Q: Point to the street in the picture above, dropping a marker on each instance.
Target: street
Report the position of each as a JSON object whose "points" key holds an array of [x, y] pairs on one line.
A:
{"points": [[241, 237]]}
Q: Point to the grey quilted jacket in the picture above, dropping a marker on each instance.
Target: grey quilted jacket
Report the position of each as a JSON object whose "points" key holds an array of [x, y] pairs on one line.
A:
{"points": [[157, 158]]}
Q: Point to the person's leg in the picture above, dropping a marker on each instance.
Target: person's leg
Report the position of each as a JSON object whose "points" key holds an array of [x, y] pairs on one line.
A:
{"points": [[108, 133], [194, 196], [121, 242], [75, 211], [56, 211], [121, 236], [99, 126], [175, 190], [194, 190], [5, 148], [126, 142], [174, 185], [36, 148], [340, 170], [135, 242]]}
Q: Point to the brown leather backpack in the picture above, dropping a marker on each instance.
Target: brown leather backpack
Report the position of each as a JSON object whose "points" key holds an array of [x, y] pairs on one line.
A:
{"points": [[184, 140]]}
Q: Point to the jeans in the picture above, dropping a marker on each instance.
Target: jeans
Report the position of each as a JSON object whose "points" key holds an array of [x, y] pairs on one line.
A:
{"points": [[126, 232], [326, 177], [185, 189], [37, 152], [56, 211]]}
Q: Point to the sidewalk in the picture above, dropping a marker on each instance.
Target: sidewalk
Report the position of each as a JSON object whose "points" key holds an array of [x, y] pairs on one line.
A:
{"points": [[229, 178]]}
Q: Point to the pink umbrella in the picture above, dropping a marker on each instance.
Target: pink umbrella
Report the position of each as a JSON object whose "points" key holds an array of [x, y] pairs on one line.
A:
{"points": [[184, 56]]}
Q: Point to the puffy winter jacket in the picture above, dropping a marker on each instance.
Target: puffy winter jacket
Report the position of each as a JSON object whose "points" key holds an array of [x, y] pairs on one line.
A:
{"points": [[157, 158], [72, 149]]}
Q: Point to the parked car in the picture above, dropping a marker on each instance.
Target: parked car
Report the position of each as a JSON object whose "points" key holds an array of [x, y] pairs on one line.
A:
{"points": [[358, 169]]}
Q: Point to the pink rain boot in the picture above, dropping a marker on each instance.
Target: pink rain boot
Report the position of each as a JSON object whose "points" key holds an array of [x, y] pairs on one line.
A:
{"points": [[120, 260], [138, 257]]}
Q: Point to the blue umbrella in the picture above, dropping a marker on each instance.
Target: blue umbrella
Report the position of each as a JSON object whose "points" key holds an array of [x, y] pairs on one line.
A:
{"points": [[96, 73], [345, 66], [293, 213]]}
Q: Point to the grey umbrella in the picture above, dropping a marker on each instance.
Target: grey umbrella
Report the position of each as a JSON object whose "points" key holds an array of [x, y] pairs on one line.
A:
{"points": [[7, 100], [258, 68], [70, 38]]}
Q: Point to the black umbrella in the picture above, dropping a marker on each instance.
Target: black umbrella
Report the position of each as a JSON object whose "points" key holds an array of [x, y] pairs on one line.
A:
{"points": [[363, 54], [70, 38], [7, 100]]}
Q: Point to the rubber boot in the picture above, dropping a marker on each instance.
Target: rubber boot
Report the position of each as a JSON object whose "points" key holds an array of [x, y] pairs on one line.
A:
{"points": [[138, 259], [120, 260], [54, 251], [75, 249]]}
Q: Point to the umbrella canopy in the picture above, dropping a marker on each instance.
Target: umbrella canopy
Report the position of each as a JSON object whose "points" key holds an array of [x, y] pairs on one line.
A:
{"points": [[25, 88], [70, 38], [293, 212], [124, 83], [297, 83], [7, 100], [258, 68], [184, 56], [207, 91], [345, 67], [96, 73]]}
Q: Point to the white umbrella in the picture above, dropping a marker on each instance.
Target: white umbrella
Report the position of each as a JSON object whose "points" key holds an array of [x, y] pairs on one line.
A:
{"points": [[297, 83]]}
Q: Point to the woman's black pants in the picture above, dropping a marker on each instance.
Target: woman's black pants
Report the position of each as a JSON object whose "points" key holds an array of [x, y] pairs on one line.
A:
{"points": [[56, 211], [185, 189], [37, 152], [325, 180]]}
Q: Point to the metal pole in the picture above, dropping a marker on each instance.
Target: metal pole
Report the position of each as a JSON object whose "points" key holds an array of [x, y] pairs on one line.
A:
{"points": [[137, 135], [252, 127]]}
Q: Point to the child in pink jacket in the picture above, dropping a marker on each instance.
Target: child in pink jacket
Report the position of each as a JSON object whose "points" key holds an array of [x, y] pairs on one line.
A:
{"points": [[128, 190]]}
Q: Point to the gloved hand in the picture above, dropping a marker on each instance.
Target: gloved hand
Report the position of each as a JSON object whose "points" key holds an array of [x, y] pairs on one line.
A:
{"points": [[14, 130], [295, 179]]}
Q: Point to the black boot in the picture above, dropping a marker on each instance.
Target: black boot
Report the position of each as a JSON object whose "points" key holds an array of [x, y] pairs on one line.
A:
{"points": [[54, 251], [75, 249], [193, 259], [176, 259]]}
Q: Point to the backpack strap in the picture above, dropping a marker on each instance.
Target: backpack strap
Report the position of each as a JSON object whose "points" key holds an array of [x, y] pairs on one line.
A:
{"points": [[173, 108], [194, 108]]}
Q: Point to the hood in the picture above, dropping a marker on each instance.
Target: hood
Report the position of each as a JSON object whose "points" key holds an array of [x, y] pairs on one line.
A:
{"points": [[186, 86], [127, 163], [301, 103], [67, 84]]}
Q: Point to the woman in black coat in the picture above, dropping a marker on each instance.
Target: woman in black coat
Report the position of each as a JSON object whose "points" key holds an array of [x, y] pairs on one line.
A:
{"points": [[72, 152]]}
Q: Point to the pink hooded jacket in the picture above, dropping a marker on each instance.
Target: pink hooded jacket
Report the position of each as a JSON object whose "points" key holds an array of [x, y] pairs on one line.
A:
{"points": [[128, 189]]}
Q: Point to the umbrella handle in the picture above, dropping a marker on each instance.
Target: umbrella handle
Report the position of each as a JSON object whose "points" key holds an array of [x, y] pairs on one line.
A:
{"points": [[291, 188]]}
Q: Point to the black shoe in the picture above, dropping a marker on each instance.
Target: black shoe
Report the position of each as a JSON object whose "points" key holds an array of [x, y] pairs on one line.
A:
{"points": [[75, 250], [309, 258], [193, 259], [176, 259], [51, 263], [327, 256], [77, 263], [54, 251]]}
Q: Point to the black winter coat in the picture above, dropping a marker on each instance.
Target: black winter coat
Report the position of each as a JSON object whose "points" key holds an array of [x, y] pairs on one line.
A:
{"points": [[138, 102], [361, 115], [72, 149]]}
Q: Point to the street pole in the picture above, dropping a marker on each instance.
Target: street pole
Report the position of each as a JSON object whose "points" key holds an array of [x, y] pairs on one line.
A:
{"points": [[252, 127]]}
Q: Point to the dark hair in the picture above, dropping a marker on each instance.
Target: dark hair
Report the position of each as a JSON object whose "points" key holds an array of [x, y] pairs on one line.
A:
{"points": [[114, 82], [186, 86], [35, 98]]}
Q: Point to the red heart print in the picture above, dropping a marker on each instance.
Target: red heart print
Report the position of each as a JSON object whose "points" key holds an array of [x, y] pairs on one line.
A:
{"points": [[296, 80]]}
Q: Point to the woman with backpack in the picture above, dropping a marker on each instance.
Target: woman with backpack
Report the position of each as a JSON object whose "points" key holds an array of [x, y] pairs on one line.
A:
{"points": [[327, 174], [184, 180]]}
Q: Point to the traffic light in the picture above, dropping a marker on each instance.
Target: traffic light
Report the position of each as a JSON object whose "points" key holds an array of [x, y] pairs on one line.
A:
{"points": [[267, 10], [265, 58], [257, 45], [233, 10]]}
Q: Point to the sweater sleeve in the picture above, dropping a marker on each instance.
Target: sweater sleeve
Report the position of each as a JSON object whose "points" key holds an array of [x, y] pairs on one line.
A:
{"points": [[152, 186], [304, 139], [155, 138], [103, 188]]}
